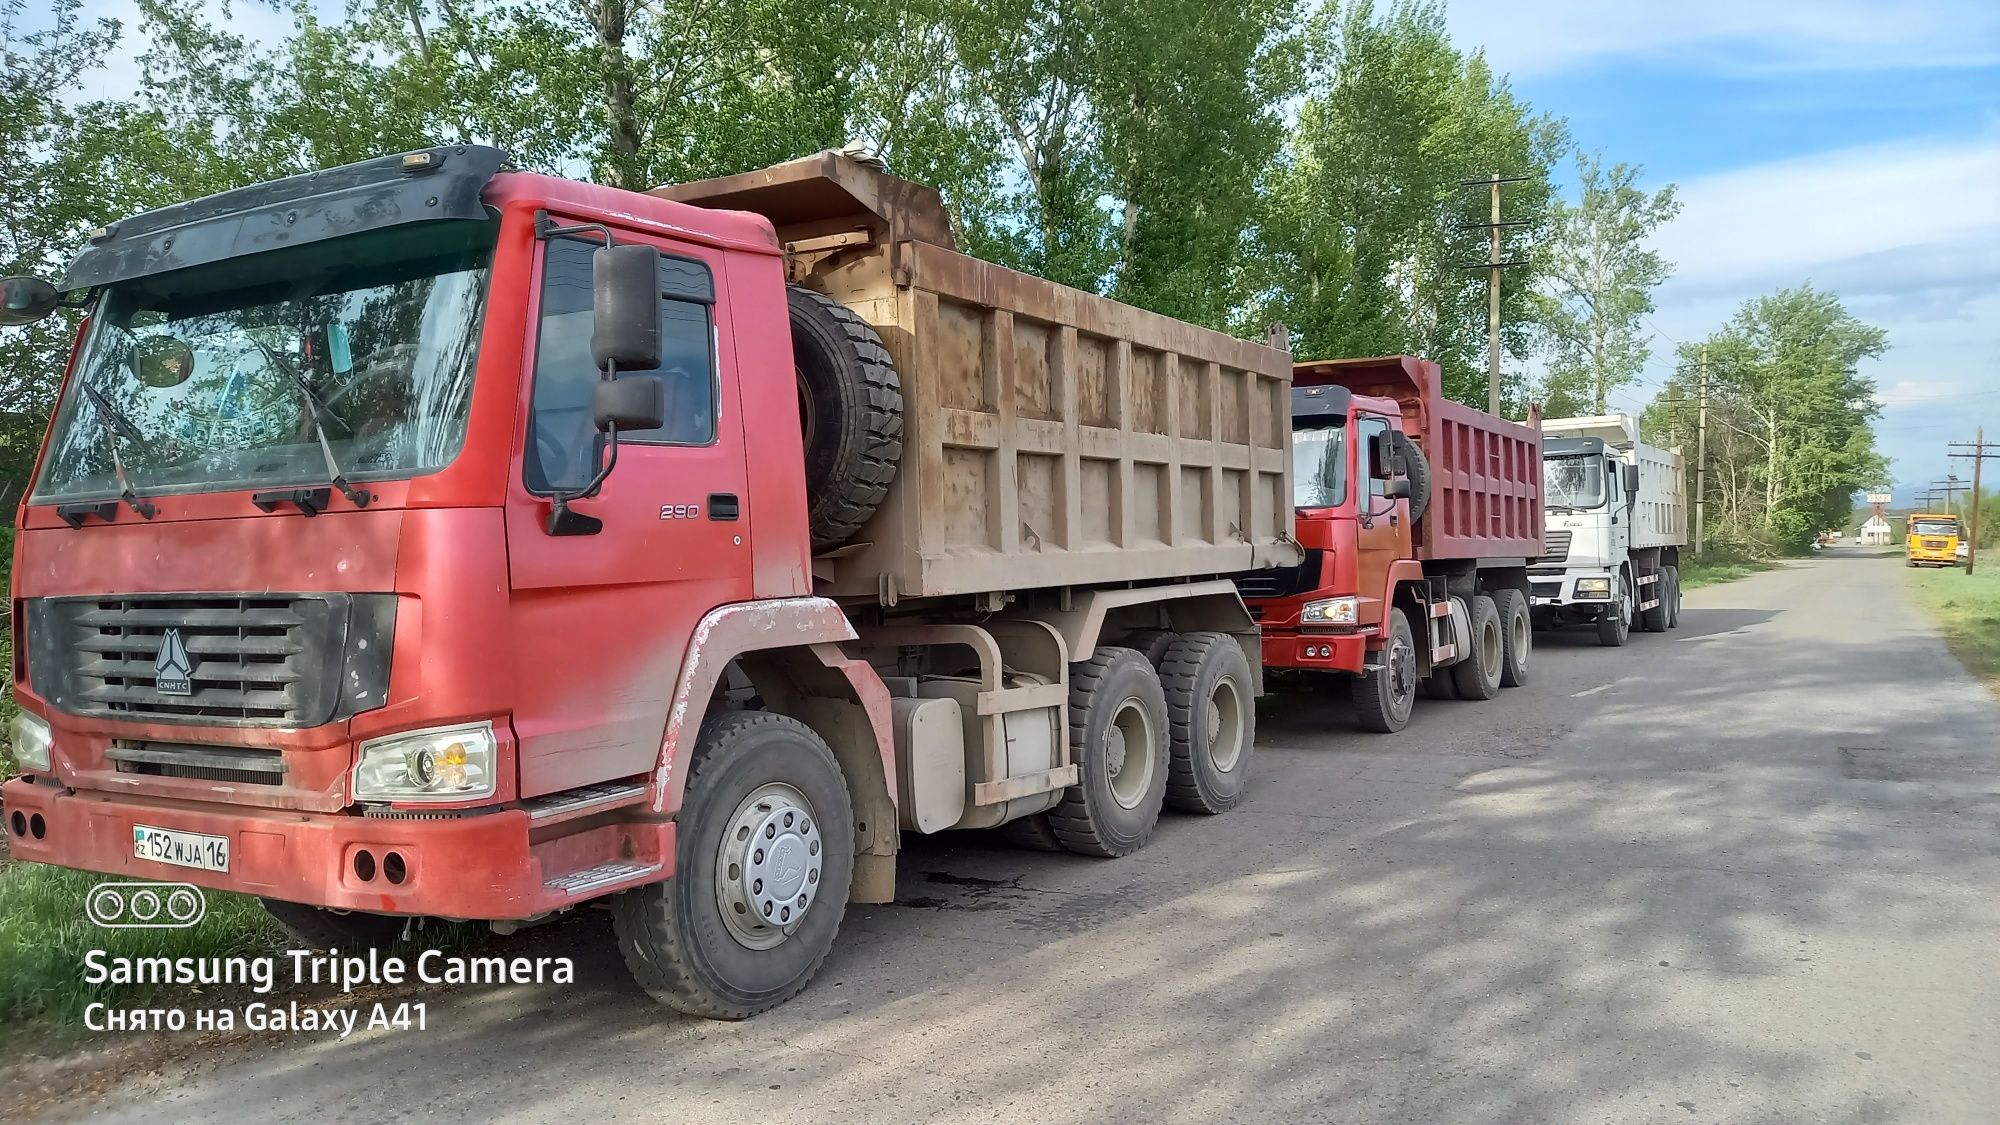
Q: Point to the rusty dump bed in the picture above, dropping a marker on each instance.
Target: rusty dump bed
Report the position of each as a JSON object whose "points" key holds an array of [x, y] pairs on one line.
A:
{"points": [[1052, 437], [1486, 472]]}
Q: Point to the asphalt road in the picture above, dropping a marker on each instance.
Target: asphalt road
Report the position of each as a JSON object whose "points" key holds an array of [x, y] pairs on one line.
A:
{"points": [[1745, 871]]}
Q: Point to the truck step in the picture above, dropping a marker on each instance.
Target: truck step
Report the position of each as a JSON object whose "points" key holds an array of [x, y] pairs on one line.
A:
{"points": [[603, 875], [572, 803]]}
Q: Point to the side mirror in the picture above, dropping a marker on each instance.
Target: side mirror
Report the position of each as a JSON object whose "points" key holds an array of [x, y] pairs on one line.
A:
{"points": [[625, 307], [25, 300], [1397, 489], [630, 402], [1631, 479], [1385, 456]]}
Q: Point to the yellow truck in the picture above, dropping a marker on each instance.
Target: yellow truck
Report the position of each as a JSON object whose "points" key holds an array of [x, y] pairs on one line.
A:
{"points": [[1932, 541]]}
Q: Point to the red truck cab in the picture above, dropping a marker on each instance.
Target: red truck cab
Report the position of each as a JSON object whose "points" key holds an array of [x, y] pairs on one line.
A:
{"points": [[237, 635], [1418, 517]]}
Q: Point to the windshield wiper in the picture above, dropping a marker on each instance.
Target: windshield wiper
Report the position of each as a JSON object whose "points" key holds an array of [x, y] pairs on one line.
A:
{"points": [[116, 425], [319, 411]]}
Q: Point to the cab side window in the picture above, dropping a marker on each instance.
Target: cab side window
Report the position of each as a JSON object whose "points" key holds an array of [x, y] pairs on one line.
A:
{"points": [[563, 446], [1374, 431]]}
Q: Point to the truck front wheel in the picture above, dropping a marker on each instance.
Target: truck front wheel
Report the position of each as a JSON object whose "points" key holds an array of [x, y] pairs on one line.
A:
{"points": [[1211, 722], [1387, 691], [1614, 624], [763, 856], [1118, 733]]}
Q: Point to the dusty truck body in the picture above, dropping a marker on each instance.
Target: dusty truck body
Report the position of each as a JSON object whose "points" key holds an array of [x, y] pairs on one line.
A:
{"points": [[1617, 520], [428, 538], [1419, 517]]}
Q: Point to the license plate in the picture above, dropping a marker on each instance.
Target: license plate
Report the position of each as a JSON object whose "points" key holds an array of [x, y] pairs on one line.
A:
{"points": [[182, 849]]}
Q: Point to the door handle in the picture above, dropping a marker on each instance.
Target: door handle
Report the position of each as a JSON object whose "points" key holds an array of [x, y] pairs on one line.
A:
{"points": [[722, 506]]}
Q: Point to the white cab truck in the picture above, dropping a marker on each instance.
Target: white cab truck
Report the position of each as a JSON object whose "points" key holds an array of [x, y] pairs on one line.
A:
{"points": [[1617, 520]]}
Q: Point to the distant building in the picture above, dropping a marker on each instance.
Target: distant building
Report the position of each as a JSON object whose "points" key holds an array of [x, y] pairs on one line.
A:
{"points": [[1875, 533]]}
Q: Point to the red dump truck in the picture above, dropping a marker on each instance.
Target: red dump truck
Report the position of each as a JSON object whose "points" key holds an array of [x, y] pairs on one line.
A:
{"points": [[1419, 517], [424, 537]]}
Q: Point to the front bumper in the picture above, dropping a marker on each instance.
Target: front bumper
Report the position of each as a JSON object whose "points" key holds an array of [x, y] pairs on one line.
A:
{"points": [[473, 867], [1555, 595], [1290, 648]]}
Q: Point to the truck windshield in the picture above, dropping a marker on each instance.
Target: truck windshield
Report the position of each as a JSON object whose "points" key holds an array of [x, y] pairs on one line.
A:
{"points": [[1576, 483], [1934, 527], [200, 371], [1319, 467]]}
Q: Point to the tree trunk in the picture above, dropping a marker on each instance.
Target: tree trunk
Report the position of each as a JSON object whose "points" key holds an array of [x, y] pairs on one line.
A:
{"points": [[624, 167]]}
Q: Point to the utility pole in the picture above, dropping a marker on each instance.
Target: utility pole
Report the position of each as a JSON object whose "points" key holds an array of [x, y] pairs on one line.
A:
{"points": [[1701, 465], [1493, 265], [1977, 450]]}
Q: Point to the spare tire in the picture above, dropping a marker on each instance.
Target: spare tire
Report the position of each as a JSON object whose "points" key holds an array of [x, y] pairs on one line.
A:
{"points": [[1420, 478], [850, 413]]}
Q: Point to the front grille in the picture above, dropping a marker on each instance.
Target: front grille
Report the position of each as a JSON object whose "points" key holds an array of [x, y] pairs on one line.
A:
{"points": [[1936, 544], [279, 660], [243, 765], [1555, 545], [1281, 581]]}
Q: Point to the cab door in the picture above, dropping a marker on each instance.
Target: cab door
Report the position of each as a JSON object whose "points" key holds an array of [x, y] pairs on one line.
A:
{"points": [[1382, 534], [601, 620]]}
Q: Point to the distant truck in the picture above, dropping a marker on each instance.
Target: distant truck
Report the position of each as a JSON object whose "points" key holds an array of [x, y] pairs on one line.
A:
{"points": [[1419, 517], [1932, 540], [426, 537], [1617, 520]]}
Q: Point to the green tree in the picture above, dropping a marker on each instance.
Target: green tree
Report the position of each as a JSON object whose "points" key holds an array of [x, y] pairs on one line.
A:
{"points": [[1789, 414], [1366, 224], [1598, 281]]}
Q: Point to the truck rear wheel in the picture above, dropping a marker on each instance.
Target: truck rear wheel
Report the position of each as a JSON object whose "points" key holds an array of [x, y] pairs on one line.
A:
{"points": [[1118, 733], [1517, 626], [1150, 643], [1654, 620], [350, 930], [1385, 694], [1477, 673], [1674, 594], [1211, 722], [850, 413], [763, 857]]}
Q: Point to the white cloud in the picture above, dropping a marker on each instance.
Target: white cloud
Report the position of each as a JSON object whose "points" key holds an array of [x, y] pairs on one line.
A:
{"points": [[1545, 36]]}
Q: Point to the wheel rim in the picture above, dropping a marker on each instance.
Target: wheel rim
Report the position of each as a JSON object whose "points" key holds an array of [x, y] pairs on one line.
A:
{"points": [[768, 866], [1225, 726], [1519, 627], [1489, 646], [1128, 757], [1402, 674]]}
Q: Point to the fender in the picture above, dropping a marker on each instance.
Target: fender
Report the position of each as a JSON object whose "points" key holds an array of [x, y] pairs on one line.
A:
{"points": [[1400, 572], [816, 624]]}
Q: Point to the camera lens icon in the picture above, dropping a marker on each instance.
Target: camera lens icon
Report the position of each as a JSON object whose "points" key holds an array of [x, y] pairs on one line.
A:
{"points": [[145, 906]]}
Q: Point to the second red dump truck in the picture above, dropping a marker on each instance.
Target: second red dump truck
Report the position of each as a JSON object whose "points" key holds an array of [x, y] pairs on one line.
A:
{"points": [[1419, 517]]}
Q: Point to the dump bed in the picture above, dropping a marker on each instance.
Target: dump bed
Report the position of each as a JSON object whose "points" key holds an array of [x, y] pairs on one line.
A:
{"points": [[1052, 437], [1659, 516], [1486, 472]]}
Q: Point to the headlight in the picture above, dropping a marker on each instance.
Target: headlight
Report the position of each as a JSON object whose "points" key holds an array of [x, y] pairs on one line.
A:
{"points": [[445, 764], [1593, 587], [1332, 611], [31, 739]]}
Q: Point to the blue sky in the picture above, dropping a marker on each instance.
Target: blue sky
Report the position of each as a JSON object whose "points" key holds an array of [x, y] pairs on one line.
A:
{"points": [[1854, 145]]}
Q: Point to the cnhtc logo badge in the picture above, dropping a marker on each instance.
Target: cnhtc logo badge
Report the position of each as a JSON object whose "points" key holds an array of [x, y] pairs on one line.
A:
{"points": [[173, 669]]}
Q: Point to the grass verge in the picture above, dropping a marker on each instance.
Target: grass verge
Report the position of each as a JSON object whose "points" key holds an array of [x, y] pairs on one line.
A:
{"points": [[44, 936], [1967, 609], [1708, 572]]}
